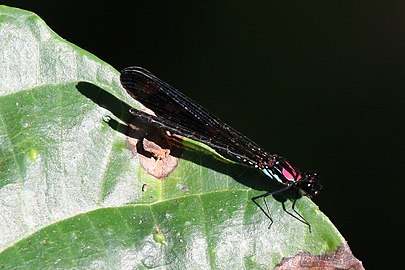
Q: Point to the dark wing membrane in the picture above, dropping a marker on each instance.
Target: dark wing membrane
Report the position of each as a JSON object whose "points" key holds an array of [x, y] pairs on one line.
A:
{"points": [[141, 85], [174, 128], [181, 115]]}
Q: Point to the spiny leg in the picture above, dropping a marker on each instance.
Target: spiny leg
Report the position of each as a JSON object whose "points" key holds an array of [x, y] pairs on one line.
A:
{"points": [[267, 213], [299, 217], [264, 196]]}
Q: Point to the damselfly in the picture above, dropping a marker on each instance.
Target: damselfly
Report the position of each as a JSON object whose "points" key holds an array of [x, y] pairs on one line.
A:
{"points": [[178, 114]]}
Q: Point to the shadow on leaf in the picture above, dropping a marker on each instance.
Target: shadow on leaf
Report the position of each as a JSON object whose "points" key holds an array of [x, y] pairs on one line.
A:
{"points": [[178, 148]]}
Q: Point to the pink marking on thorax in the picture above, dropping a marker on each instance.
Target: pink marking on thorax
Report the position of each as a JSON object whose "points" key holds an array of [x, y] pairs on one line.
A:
{"points": [[291, 177]]}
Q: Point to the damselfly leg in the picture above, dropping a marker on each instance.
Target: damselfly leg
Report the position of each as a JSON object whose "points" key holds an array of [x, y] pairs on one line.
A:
{"points": [[266, 210]]}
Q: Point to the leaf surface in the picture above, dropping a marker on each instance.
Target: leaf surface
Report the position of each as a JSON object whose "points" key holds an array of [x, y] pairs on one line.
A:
{"points": [[72, 194]]}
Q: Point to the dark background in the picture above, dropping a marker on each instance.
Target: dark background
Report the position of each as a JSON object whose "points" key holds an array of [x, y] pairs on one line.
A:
{"points": [[320, 82]]}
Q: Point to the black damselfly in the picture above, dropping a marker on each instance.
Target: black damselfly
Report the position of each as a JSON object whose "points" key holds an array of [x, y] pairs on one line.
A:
{"points": [[178, 114]]}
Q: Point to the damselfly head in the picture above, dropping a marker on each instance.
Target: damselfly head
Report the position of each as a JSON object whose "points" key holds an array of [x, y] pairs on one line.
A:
{"points": [[309, 184]]}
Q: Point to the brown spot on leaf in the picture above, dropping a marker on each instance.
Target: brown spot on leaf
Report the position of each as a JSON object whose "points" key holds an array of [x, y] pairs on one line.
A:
{"points": [[341, 259], [154, 148], [156, 151]]}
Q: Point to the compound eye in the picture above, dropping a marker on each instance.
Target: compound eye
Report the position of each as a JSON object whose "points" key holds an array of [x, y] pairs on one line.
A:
{"points": [[310, 186], [311, 176]]}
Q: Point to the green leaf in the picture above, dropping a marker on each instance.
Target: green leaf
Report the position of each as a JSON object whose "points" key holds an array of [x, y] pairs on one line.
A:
{"points": [[73, 195]]}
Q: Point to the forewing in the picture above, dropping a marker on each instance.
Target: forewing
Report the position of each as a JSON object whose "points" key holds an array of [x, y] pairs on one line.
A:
{"points": [[179, 114]]}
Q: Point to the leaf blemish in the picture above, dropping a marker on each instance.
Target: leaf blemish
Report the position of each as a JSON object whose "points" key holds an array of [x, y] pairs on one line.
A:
{"points": [[158, 236], [341, 258], [153, 148]]}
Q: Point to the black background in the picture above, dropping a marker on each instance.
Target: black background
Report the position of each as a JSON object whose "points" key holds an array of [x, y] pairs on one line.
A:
{"points": [[320, 82]]}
